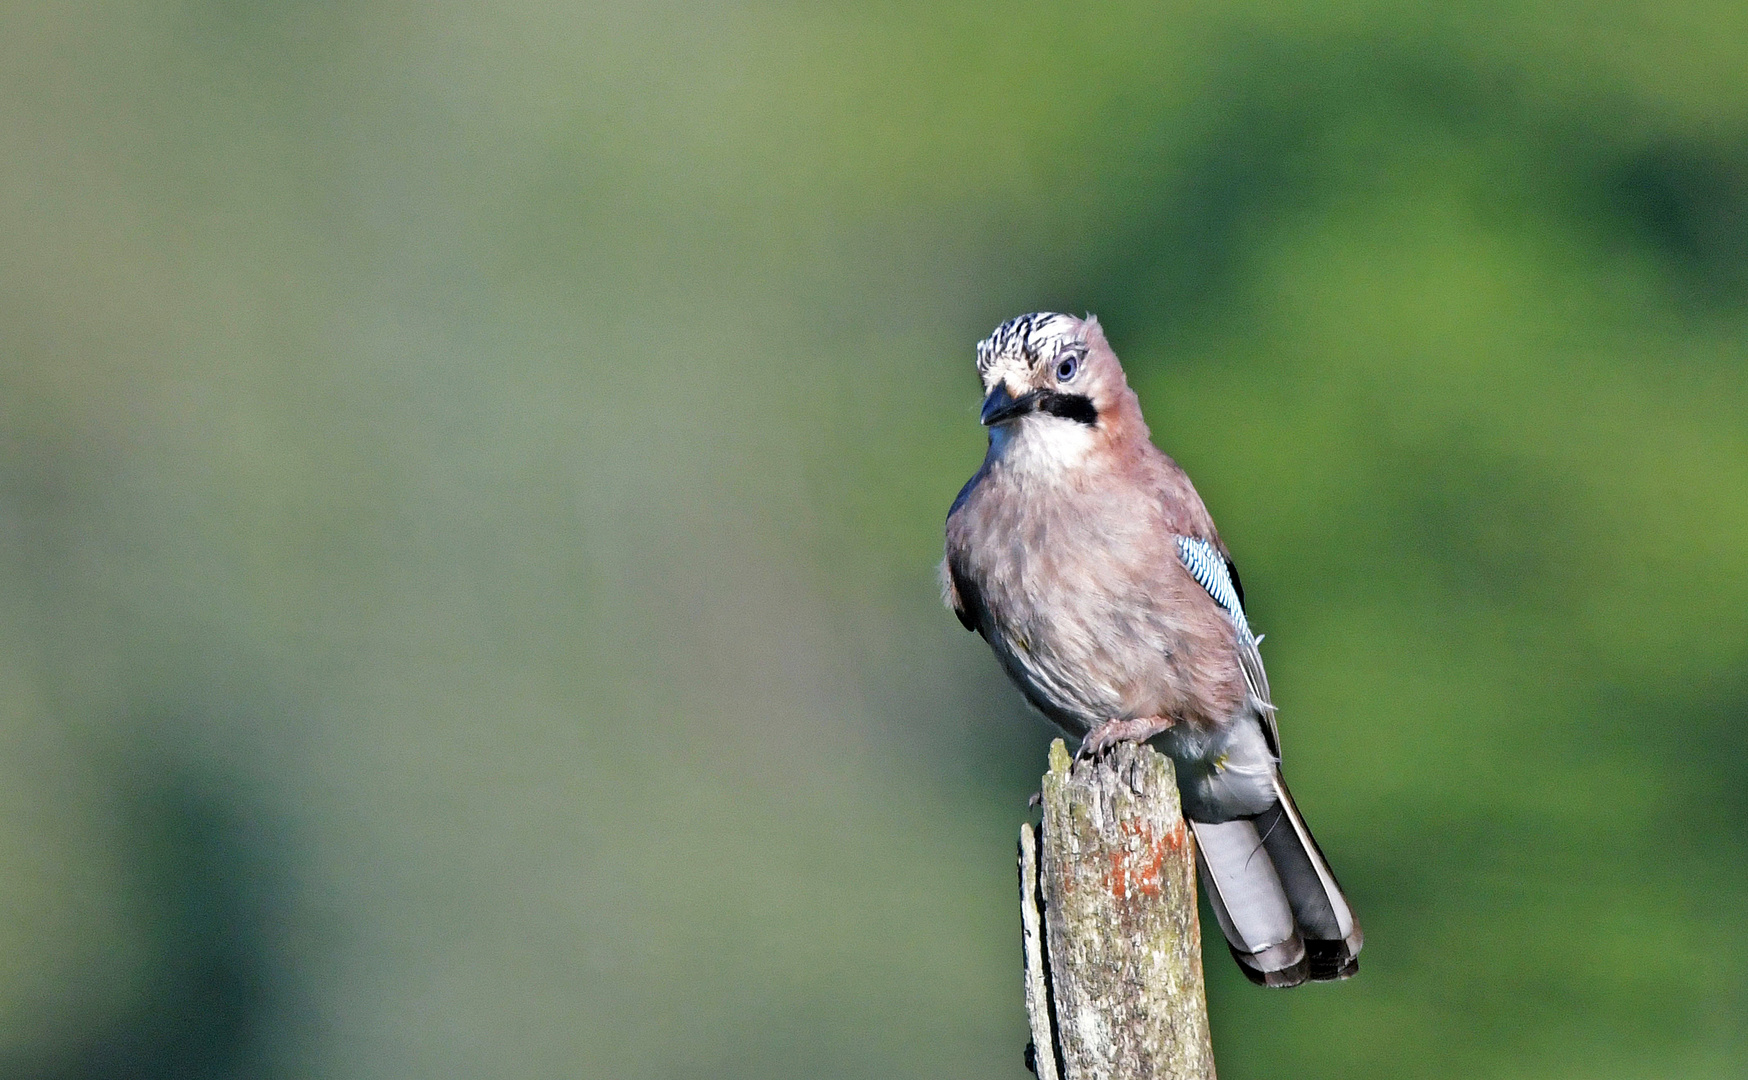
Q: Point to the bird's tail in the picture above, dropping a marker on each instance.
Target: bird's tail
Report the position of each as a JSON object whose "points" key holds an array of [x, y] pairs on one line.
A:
{"points": [[1283, 913]]}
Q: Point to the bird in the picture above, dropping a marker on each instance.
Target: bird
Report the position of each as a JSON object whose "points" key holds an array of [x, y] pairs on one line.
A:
{"points": [[1085, 558]]}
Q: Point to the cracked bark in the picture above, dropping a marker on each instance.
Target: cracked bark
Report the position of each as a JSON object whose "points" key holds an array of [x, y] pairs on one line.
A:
{"points": [[1108, 921]]}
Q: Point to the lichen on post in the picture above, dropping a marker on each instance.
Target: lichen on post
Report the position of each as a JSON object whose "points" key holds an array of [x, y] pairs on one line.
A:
{"points": [[1114, 978]]}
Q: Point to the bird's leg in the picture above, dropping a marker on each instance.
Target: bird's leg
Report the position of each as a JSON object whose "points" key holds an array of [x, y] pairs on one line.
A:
{"points": [[1110, 732]]}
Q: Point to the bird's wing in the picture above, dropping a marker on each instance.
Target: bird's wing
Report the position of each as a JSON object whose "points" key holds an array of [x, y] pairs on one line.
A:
{"points": [[1214, 572], [961, 595], [958, 589]]}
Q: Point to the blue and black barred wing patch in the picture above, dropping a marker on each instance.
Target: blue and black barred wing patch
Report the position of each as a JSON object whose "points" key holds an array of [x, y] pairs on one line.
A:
{"points": [[1215, 573], [1210, 569]]}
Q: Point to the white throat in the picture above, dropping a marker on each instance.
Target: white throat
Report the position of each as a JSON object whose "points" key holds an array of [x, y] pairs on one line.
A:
{"points": [[1040, 445]]}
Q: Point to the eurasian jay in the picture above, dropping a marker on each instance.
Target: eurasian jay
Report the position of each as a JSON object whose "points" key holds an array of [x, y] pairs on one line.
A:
{"points": [[1087, 561]]}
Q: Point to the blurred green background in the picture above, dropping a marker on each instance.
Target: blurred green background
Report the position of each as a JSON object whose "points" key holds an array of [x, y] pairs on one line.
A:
{"points": [[471, 477]]}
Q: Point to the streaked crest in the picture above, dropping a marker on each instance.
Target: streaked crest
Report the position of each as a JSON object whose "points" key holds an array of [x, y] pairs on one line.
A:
{"points": [[1026, 341]]}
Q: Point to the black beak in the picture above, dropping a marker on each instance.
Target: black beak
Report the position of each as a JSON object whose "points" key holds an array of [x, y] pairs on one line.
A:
{"points": [[1000, 406]]}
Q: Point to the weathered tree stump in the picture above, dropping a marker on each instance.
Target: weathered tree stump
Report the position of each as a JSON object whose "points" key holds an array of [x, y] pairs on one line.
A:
{"points": [[1108, 920]]}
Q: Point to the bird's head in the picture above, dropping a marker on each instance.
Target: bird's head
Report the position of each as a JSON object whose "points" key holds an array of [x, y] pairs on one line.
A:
{"points": [[1053, 374]]}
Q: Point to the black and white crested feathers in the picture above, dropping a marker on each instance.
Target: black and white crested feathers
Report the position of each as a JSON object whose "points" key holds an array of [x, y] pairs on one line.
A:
{"points": [[1027, 341]]}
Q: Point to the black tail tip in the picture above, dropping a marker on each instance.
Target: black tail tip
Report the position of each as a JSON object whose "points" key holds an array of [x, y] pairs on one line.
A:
{"points": [[1331, 961], [1291, 975], [1324, 961]]}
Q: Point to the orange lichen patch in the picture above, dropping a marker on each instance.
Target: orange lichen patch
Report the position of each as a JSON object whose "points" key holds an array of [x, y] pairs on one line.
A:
{"points": [[1139, 864]]}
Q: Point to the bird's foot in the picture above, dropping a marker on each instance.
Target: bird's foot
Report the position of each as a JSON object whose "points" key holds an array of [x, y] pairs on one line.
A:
{"points": [[1112, 732]]}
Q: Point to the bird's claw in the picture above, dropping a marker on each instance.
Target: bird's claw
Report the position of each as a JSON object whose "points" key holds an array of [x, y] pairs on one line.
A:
{"points": [[1095, 743], [1108, 734]]}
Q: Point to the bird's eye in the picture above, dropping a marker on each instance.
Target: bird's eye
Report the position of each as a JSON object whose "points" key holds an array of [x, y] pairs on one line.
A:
{"points": [[1068, 369]]}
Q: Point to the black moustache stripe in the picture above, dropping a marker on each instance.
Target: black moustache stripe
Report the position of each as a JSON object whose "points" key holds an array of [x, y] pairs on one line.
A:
{"points": [[1076, 407]]}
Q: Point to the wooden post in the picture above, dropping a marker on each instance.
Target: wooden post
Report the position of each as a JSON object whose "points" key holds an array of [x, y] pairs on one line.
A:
{"points": [[1108, 921]]}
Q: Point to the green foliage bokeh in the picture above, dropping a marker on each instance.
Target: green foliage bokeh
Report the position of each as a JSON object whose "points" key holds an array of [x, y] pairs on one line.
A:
{"points": [[473, 475]]}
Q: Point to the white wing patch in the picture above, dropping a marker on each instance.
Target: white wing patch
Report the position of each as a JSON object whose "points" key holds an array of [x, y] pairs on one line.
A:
{"points": [[1208, 567]]}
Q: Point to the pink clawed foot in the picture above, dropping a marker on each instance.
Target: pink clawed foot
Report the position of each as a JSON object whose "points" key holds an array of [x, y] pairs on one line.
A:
{"points": [[1112, 732]]}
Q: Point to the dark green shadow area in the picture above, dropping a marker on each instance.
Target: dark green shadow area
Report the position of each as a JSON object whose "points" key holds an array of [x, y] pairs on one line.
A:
{"points": [[210, 889], [1284, 128]]}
